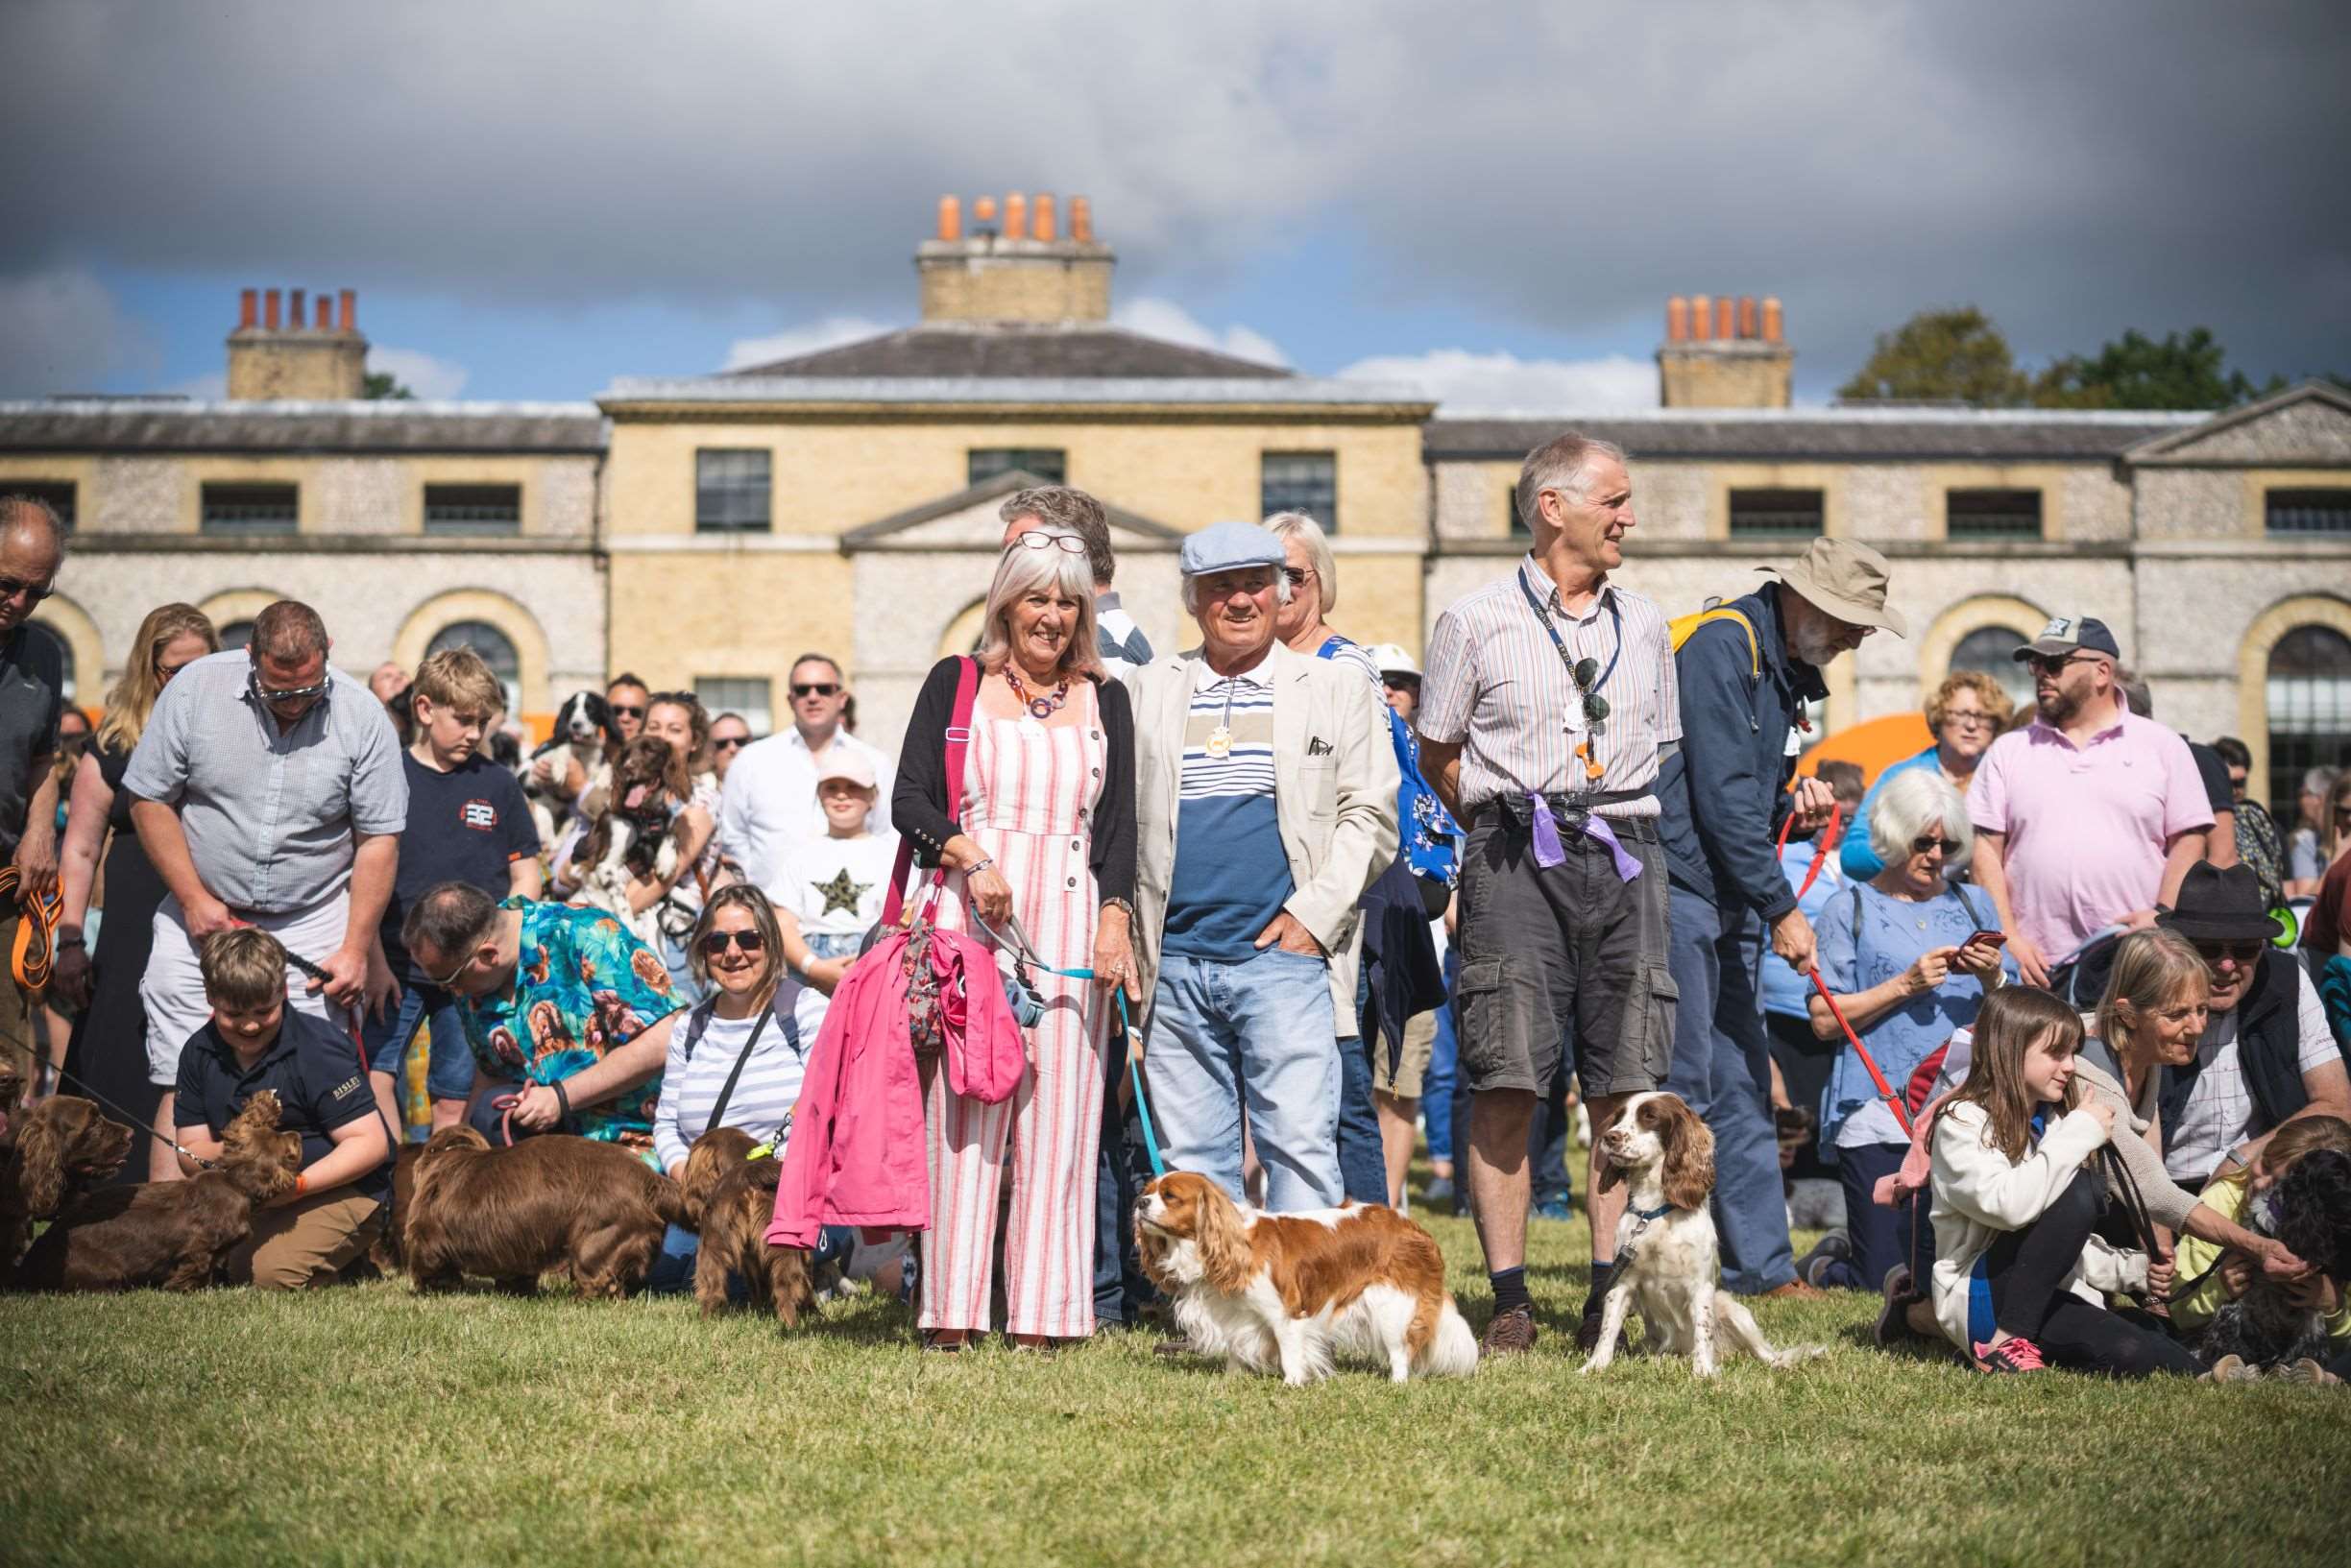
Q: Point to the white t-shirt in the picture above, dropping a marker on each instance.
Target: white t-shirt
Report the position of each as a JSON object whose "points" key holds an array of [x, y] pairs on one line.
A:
{"points": [[835, 885], [2219, 1108], [769, 802]]}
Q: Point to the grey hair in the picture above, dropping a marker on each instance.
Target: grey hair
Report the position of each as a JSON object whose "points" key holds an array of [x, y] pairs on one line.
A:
{"points": [[1022, 570], [1564, 463], [2317, 781], [1282, 591], [1914, 801], [17, 510], [1065, 506], [1306, 531]]}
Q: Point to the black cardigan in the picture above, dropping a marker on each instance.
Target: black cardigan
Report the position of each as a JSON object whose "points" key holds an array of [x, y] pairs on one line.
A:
{"points": [[918, 803]]}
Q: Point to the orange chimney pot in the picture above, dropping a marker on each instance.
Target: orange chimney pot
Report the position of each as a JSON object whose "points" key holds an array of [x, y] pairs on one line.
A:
{"points": [[1016, 216], [1041, 218], [325, 312], [1701, 317], [984, 209], [1771, 319], [1082, 220], [1677, 319], [270, 308], [950, 218], [249, 308], [294, 310], [347, 306], [1747, 315]]}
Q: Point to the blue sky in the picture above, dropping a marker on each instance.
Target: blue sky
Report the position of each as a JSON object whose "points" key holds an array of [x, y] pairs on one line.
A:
{"points": [[534, 197]]}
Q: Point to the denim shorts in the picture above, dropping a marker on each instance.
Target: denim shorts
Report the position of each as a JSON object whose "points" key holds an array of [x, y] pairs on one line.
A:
{"points": [[449, 1072]]}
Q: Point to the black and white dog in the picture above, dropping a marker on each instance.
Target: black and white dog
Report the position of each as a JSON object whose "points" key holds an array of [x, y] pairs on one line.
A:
{"points": [[575, 752]]}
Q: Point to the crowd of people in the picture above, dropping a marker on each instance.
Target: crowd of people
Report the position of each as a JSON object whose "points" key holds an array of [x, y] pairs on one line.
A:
{"points": [[2025, 1019]]}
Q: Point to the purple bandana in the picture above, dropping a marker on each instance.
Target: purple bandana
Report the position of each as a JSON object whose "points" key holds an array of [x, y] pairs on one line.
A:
{"points": [[1550, 852]]}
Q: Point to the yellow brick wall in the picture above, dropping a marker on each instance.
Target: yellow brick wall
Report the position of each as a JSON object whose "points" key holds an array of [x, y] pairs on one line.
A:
{"points": [[675, 616]]}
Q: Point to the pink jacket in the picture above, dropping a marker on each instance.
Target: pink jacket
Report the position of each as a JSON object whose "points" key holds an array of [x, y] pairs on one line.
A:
{"points": [[856, 1156]]}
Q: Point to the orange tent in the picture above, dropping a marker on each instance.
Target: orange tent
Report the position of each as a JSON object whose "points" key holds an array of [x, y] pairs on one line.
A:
{"points": [[1876, 744]]}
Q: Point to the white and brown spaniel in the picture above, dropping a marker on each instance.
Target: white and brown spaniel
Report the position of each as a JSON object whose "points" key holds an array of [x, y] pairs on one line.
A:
{"points": [[1293, 1291], [1667, 1261]]}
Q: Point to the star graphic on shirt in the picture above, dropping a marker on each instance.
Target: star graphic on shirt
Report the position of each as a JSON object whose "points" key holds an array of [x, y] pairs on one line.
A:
{"points": [[842, 894]]}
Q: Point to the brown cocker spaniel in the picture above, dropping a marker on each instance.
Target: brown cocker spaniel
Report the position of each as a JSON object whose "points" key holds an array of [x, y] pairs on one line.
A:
{"points": [[731, 1199], [555, 1201], [50, 1153]]}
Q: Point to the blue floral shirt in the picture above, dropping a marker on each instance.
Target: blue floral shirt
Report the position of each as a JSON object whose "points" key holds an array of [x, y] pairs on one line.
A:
{"points": [[583, 983]]}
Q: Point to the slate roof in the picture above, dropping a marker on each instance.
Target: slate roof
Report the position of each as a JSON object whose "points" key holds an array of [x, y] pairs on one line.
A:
{"points": [[1013, 349], [1834, 435], [153, 425]]}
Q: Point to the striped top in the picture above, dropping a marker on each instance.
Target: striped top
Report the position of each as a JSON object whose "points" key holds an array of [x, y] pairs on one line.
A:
{"points": [[1495, 687], [1231, 874], [764, 1097]]}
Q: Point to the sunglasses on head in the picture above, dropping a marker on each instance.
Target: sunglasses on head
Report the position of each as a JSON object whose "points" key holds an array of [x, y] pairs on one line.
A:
{"points": [[718, 942], [35, 592], [626, 710], [1928, 842], [826, 688]]}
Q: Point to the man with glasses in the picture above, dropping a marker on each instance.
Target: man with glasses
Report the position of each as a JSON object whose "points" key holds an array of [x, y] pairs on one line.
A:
{"points": [[2089, 816], [1548, 702], [768, 806], [2266, 1055], [32, 700], [268, 790], [569, 1014]]}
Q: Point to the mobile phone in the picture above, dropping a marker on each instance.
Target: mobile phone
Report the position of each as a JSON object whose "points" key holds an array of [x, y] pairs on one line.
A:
{"points": [[1997, 938]]}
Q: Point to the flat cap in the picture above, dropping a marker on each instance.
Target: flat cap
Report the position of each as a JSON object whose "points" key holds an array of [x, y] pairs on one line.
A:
{"points": [[1228, 546]]}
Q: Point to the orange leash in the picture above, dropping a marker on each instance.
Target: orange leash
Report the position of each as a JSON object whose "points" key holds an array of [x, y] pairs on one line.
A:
{"points": [[35, 948]]}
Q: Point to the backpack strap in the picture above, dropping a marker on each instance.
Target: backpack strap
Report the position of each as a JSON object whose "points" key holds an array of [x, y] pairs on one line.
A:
{"points": [[957, 741], [1681, 628]]}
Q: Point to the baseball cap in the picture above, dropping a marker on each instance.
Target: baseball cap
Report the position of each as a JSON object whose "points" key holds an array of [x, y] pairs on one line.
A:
{"points": [[850, 765], [2067, 633]]}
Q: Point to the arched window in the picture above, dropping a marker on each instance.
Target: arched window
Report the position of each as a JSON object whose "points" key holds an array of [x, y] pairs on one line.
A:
{"points": [[2309, 707], [1992, 649], [495, 648], [65, 658], [236, 634]]}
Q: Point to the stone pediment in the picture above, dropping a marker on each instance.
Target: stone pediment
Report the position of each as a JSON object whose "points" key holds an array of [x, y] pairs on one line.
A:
{"points": [[968, 520], [2309, 427]]}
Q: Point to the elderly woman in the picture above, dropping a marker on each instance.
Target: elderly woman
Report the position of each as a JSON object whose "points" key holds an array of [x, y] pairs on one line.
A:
{"points": [[1967, 712], [1038, 829], [1895, 952]]}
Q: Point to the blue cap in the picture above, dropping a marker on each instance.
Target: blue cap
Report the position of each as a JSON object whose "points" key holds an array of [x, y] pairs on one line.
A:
{"points": [[1228, 546], [2070, 634]]}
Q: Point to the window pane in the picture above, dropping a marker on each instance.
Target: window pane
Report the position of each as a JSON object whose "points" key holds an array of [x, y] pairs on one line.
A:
{"points": [[1777, 514], [1992, 649], [1992, 514], [235, 635], [732, 487], [745, 695], [495, 648], [472, 509], [1305, 482], [2309, 511], [1049, 465], [57, 492], [250, 509], [2309, 693]]}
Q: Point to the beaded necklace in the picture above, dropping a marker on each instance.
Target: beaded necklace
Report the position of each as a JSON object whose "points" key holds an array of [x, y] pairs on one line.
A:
{"points": [[1041, 707]]}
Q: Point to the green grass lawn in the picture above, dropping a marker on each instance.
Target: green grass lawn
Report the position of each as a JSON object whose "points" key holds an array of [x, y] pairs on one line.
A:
{"points": [[370, 1424]]}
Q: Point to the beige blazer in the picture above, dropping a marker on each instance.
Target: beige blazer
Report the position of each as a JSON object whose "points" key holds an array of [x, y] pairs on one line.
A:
{"points": [[1335, 792]]}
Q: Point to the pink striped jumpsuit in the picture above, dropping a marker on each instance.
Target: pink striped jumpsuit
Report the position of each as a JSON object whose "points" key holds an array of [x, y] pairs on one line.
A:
{"points": [[1029, 796]]}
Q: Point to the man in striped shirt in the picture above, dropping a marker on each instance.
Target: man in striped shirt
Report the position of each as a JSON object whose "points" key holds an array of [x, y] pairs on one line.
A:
{"points": [[1548, 702]]}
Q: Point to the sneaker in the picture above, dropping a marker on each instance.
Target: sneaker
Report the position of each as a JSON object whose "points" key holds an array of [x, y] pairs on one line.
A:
{"points": [[2231, 1369], [2014, 1354], [1439, 1190], [1830, 1250], [1555, 1208], [2304, 1370], [1509, 1334], [1894, 1317]]}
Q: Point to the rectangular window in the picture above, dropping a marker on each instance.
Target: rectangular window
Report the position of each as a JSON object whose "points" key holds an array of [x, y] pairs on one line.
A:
{"points": [[2309, 511], [1513, 524], [1305, 482], [733, 487], [1992, 514], [1047, 465], [1777, 514], [472, 509], [57, 492], [250, 509], [748, 695]]}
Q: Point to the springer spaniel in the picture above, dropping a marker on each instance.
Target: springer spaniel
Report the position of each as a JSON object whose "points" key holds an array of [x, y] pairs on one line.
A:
{"points": [[1293, 1290], [637, 839], [1666, 1255], [583, 730]]}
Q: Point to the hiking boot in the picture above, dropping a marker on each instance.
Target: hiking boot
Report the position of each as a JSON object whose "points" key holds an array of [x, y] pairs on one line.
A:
{"points": [[1894, 1317], [2304, 1370], [1510, 1332], [2012, 1355], [1830, 1250], [1588, 1333]]}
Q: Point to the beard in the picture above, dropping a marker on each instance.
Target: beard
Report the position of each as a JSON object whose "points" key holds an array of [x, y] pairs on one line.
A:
{"points": [[2058, 706], [1813, 644]]}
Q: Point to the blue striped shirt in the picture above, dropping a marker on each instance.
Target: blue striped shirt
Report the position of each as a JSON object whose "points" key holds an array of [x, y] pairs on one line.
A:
{"points": [[1231, 874]]}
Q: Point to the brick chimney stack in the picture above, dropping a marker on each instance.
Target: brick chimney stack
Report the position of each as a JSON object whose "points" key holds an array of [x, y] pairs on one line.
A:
{"points": [[284, 356], [1724, 353], [1023, 272]]}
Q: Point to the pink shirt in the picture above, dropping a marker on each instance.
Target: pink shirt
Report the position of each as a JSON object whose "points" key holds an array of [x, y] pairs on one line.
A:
{"points": [[2085, 829]]}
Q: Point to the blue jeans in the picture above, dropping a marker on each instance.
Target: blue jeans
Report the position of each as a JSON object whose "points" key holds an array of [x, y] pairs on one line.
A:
{"points": [[1121, 1170], [673, 1266], [1259, 1032], [1722, 1069], [1436, 1084], [1363, 1162], [449, 1072]]}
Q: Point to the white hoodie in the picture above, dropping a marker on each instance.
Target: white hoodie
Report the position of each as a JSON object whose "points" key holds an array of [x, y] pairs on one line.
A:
{"points": [[1979, 1194]]}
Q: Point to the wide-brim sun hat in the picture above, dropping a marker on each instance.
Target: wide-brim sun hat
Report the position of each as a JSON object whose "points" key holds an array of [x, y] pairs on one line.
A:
{"points": [[1845, 579]]}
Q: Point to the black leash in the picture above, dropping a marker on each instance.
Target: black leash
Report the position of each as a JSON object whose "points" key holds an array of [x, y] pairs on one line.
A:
{"points": [[392, 1134], [144, 1126]]}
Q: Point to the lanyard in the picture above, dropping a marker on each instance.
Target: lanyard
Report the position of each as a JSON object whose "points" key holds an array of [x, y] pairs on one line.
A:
{"points": [[1567, 661]]}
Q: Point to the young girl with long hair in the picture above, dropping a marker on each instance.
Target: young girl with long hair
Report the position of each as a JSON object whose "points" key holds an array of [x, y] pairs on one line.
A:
{"points": [[2019, 1275]]}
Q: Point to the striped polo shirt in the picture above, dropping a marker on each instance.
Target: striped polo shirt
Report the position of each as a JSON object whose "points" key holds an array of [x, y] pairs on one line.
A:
{"points": [[1231, 874], [1496, 687]]}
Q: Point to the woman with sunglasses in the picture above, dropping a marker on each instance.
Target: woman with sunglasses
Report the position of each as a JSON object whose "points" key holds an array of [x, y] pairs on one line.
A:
{"points": [[1897, 955]]}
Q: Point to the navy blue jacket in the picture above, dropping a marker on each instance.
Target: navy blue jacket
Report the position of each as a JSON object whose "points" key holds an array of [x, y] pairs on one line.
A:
{"points": [[1734, 732]]}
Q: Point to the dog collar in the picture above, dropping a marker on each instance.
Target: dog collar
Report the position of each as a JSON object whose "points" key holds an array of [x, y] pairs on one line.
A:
{"points": [[1658, 1212]]}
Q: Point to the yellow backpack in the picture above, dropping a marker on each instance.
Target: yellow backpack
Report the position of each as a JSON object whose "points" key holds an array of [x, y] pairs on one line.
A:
{"points": [[1683, 628]]}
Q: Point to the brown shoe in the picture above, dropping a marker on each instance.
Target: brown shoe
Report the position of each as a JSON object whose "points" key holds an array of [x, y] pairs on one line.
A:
{"points": [[1509, 1334], [1794, 1290]]}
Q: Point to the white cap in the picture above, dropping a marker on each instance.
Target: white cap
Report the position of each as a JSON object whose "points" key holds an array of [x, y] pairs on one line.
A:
{"points": [[841, 762], [1392, 660]]}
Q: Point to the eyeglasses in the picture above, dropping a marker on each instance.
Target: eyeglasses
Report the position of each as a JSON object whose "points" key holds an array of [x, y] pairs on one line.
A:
{"points": [[292, 693], [729, 742], [1299, 576], [2241, 953], [822, 689], [1930, 842], [1038, 540], [620, 710], [718, 942], [2041, 664], [35, 592], [449, 980], [1968, 718]]}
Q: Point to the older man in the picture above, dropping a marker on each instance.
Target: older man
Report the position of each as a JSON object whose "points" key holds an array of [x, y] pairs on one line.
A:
{"points": [[1117, 638], [1549, 698], [31, 698], [268, 791], [1265, 798], [1746, 673], [769, 806]]}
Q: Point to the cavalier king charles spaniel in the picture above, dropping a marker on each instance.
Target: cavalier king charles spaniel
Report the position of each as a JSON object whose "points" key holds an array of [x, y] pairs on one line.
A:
{"points": [[1292, 1291], [1666, 1257]]}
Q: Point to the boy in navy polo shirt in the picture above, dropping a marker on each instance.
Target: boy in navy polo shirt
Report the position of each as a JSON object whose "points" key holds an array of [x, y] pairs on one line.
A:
{"points": [[467, 822], [251, 1043]]}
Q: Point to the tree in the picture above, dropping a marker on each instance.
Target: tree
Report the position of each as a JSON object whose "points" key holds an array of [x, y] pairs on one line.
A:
{"points": [[385, 386], [1941, 355], [2136, 372]]}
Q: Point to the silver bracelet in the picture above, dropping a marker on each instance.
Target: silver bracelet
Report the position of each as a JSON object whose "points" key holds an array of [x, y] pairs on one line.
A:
{"points": [[987, 863]]}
